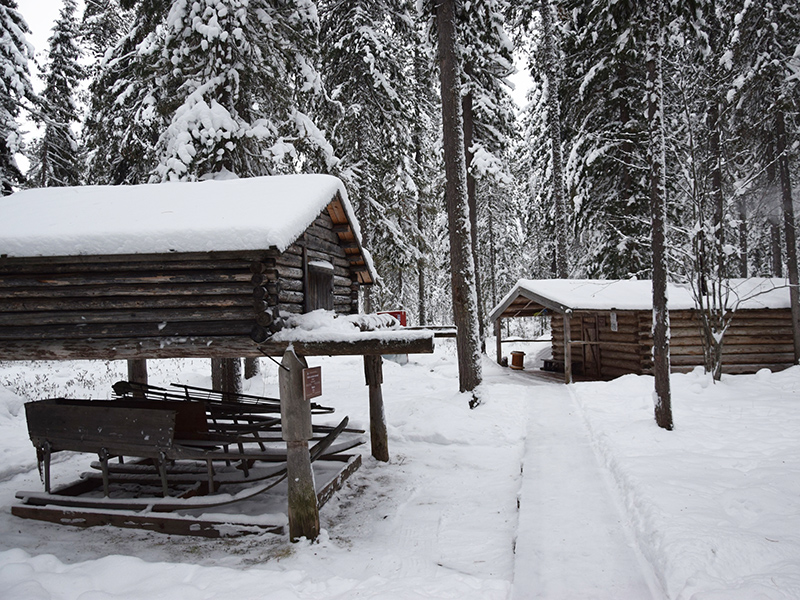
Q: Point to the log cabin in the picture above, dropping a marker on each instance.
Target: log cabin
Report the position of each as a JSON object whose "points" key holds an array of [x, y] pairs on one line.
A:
{"points": [[603, 329], [201, 269]]}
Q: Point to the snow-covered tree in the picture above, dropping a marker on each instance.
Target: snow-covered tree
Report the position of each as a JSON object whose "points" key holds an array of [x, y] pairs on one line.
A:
{"points": [[762, 46], [367, 59], [15, 90], [102, 24], [124, 122], [657, 166], [488, 111], [231, 83], [606, 128], [56, 160], [462, 265]]}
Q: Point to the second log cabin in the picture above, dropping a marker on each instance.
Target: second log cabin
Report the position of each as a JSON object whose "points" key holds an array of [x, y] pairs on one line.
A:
{"points": [[602, 329]]}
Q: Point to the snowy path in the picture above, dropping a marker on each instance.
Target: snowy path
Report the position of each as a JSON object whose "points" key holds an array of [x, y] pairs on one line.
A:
{"points": [[572, 541]]}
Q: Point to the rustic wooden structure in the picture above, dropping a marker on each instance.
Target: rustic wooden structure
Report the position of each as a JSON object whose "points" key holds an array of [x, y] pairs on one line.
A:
{"points": [[603, 329], [186, 270], [177, 295]]}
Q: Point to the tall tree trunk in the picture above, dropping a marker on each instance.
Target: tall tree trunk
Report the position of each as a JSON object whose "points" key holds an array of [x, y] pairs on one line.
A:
{"points": [[744, 251], [462, 265], [422, 314], [472, 197], [363, 216], [789, 230], [419, 77], [554, 123], [658, 199], [716, 192], [251, 367], [777, 254]]}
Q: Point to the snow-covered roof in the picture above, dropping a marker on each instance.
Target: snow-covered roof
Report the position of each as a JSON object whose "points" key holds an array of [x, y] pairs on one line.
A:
{"points": [[636, 294], [235, 214]]}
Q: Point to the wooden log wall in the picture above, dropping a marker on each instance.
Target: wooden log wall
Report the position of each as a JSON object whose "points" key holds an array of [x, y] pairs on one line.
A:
{"points": [[597, 351], [88, 306], [320, 242], [160, 306], [757, 339]]}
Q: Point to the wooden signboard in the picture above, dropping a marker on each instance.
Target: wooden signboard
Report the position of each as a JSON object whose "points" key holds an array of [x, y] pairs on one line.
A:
{"points": [[312, 382]]}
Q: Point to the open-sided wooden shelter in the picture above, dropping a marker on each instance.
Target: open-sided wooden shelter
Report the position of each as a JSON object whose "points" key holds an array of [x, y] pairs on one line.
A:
{"points": [[172, 270], [609, 329]]}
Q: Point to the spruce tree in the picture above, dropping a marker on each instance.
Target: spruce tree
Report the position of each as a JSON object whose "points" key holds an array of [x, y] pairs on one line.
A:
{"points": [[124, 120], [15, 91], [367, 61], [232, 81], [462, 265], [56, 160], [488, 111], [102, 24], [762, 46], [606, 129]]}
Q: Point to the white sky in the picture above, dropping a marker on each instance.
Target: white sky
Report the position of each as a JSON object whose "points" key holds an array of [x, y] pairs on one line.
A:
{"points": [[40, 15]]}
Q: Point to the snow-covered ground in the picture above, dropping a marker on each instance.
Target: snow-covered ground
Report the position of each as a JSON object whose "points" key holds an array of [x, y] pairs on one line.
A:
{"points": [[596, 501]]}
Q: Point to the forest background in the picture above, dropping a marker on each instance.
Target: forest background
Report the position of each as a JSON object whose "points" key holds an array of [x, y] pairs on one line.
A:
{"points": [[161, 90]]}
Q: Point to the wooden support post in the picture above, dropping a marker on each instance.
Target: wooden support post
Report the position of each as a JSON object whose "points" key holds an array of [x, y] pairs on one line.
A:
{"points": [[377, 419], [498, 331], [296, 431], [137, 373], [567, 347]]}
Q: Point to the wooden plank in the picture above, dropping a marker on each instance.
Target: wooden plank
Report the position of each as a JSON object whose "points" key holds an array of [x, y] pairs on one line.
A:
{"points": [[127, 331], [197, 347], [11, 282], [105, 291], [333, 486], [158, 316], [162, 523], [737, 359], [126, 303]]}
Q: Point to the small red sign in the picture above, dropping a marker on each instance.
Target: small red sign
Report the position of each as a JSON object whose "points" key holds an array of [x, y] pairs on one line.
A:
{"points": [[312, 382], [400, 315]]}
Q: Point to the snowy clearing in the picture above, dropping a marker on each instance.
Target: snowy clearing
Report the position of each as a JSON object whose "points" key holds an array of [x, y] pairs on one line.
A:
{"points": [[708, 511]]}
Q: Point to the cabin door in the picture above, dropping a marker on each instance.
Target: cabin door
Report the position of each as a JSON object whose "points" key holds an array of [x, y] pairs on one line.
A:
{"points": [[591, 349]]}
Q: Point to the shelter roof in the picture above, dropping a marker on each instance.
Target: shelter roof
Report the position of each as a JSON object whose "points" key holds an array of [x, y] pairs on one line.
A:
{"points": [[531, 296], [254, 213]]}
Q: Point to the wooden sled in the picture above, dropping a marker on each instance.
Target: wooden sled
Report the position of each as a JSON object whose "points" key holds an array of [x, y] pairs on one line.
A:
{"points": [[178, 455]]}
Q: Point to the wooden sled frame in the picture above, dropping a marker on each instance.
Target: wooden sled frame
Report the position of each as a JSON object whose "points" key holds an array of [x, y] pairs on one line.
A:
{"points": [[170, 436]]}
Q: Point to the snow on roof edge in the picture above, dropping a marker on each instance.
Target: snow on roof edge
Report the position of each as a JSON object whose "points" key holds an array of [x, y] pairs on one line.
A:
{"points": [[632, 294], [235, 214]]}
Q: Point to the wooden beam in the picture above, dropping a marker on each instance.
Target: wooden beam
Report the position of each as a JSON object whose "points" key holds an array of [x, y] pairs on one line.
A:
{"points": [[201, 347], [161, 523]]}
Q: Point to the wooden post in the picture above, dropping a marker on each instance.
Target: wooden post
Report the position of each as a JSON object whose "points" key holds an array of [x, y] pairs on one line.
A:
{"points": [[567, 347], [137, 370], [377, 419], [296, 431], [231, 379], [498, 330]]}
